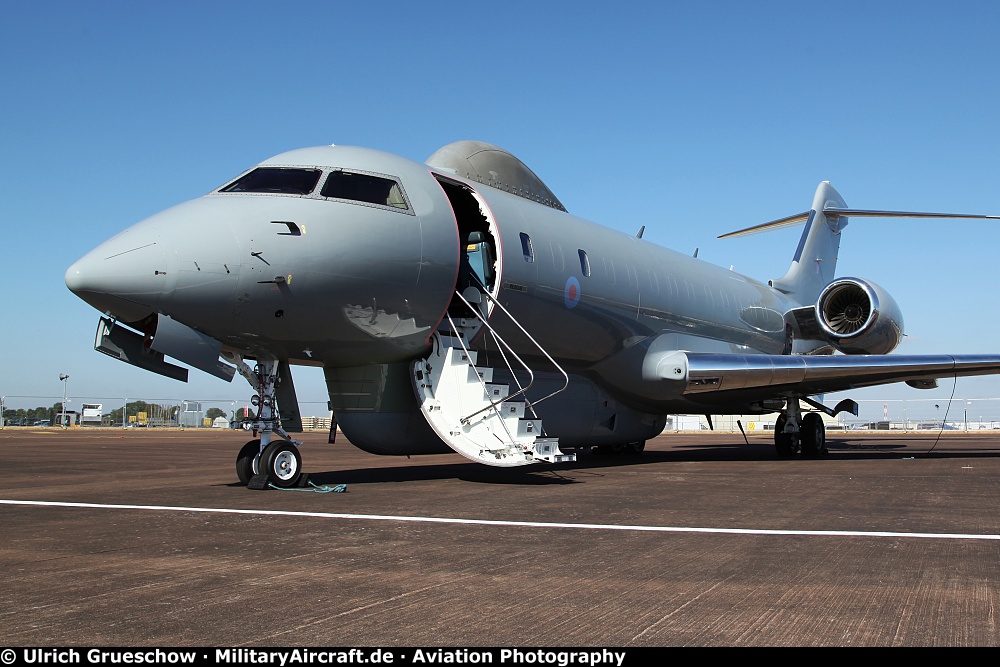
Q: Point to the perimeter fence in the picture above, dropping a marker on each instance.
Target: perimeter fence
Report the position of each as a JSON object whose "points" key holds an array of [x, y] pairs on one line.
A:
{"points": [[920, 414], [961, 414], [131, 412]]}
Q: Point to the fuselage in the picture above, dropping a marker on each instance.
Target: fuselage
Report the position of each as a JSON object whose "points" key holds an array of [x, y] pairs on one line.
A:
{"points": [[297, 260]]}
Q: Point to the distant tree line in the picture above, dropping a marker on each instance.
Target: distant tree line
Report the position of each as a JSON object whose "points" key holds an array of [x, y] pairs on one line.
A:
{"points": [[160, 415], [33, 416]]}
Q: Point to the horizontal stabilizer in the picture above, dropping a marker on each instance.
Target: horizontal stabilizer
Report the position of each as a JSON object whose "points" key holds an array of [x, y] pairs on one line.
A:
{"points": [[768, 226], [832, 212]]}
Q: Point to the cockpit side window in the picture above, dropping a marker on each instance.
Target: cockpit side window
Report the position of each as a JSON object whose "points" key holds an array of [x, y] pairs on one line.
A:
{"points": [[276, 180], [364, 188]]}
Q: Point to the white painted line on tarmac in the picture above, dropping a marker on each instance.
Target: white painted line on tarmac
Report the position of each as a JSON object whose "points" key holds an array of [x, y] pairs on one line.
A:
{"points": [[516, 524]]}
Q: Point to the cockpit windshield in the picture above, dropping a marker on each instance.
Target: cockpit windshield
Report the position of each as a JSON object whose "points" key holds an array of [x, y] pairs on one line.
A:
{"points": [[279, 180], [364, 188]]}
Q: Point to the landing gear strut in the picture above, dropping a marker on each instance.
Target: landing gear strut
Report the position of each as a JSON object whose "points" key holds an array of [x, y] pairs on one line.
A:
{"points": [[794, 431], [278, 459]]}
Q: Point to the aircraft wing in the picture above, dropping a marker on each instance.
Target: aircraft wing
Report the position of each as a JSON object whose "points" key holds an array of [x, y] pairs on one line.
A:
{"points": [[712, 378]]}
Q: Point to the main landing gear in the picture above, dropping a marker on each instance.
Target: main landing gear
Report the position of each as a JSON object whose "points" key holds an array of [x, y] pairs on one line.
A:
{"points": [[267, 460], [794, 431], [621, 449]]}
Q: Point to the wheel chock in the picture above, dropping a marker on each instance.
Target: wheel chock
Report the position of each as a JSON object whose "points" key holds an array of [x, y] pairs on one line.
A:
{"points": [[258, 482]]}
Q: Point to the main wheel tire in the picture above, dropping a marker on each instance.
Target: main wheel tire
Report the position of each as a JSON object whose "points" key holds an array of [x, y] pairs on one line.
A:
{"points": [[247, 461], [785, 444], [813, 435], [636, 448], [282, 463]]}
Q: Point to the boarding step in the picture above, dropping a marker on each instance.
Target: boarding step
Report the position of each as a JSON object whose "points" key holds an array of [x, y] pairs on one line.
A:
{"points": [[512, 411], [484, 373], [497, 392], [460, 357], [547, 449], [470, 413], [528, 428]]}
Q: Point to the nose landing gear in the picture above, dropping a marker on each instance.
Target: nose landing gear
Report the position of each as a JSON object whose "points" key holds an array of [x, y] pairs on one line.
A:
{"points": [[267, 460]]}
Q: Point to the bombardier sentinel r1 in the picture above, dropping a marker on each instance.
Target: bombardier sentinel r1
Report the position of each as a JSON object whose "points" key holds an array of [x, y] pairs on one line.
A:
{"points": [[457, 305]]}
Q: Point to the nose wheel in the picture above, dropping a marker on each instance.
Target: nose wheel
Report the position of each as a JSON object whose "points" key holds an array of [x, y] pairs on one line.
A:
{"points": [[247, 461], [276, 459], [282, 463]]}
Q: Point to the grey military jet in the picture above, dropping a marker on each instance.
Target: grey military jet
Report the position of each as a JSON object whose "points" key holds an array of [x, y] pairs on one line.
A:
{"points": [[457, 305]]}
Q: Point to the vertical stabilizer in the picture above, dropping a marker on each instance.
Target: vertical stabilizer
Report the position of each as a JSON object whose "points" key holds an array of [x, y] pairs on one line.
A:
{"points": [[815, 261]]}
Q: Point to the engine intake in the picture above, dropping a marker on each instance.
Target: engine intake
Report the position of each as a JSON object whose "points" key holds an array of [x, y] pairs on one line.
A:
{"points": [[859, 317]]}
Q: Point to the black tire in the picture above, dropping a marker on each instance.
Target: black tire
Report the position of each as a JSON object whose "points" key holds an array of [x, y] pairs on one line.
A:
{"points": [[813, 435], [247, 461], [785, 444], [282, 463], [636, 448]]}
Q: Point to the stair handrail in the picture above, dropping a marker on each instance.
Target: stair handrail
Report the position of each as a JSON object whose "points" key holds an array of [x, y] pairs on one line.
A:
{"points": [[482, 383], [506, 362], [499, 338], [531, 374], [541, 349]]}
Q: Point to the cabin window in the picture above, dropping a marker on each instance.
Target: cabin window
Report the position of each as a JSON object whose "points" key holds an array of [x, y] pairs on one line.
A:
{"points": [[364, 188], [609, 269], [675, 291], [633, 281], [584, 263], [653, 282], [529, 253], [689, 288], [276, 180], [557, 258]]}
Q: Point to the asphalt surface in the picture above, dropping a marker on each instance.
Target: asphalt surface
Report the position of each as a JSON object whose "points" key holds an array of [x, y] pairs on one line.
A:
{"points": [[890, 540]]}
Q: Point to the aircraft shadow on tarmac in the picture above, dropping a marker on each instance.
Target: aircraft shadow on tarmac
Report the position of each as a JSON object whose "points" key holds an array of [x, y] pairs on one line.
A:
{"points": [[840, 449]]}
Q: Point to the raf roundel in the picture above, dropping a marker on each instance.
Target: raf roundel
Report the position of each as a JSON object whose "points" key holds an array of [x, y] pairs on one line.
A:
{"points": [[571, 294]]}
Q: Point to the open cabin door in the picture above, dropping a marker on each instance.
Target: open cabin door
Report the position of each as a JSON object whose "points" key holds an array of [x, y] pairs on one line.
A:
{"points": [[479, 262], [488, 422]]}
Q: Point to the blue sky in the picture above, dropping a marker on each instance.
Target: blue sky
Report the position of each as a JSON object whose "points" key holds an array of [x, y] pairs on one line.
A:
{"points": [[693, 119]]}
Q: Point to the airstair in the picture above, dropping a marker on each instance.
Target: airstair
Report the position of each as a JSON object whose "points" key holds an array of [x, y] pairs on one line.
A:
{"points": [[478, 418]]}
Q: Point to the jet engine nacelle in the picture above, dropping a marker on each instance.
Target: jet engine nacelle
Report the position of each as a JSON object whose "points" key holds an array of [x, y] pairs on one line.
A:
{"points": [[859, 317]]}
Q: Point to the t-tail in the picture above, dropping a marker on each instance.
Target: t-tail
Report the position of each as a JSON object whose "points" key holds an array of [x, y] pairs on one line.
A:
{"points": [[814, 264]]}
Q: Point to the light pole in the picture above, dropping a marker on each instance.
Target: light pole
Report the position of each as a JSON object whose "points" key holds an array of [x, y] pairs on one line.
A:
{"points": [[62, 418]]}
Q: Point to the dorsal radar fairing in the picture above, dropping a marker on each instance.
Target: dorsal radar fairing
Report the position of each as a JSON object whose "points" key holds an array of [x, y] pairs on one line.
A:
{"points": [[491, 165]]}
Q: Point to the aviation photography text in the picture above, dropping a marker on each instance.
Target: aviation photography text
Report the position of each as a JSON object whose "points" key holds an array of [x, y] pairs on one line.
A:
{"points": [[311, 656]]}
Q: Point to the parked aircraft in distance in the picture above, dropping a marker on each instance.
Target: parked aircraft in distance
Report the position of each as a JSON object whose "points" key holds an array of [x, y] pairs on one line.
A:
{"points": [[457, 304]]}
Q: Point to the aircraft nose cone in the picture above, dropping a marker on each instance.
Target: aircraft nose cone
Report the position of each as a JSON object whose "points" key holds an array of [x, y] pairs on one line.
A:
{"points": [[80, 277], [125, 276]]}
